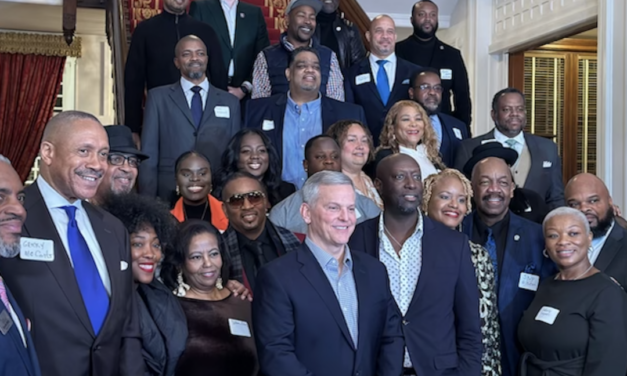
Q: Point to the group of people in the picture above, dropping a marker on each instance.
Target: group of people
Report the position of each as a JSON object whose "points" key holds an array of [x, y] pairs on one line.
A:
{"points": [[305, 210]]}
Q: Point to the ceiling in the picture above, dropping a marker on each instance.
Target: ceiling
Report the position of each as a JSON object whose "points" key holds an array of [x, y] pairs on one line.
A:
{"points": [[400, 10]]}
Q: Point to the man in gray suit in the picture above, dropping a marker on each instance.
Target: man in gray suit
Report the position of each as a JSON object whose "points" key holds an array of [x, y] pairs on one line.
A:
{"points": [[188, 115], [538, 167]]}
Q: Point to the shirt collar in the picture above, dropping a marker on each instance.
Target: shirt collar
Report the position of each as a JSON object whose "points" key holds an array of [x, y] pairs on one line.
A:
{"points": [[188, 85], [52, 198], [599, 242], [500, 137], [229, 4], [496, 228], [325, 258], [263, 238], [373, 58], [418, 230], [309, 106], [288, 45]]}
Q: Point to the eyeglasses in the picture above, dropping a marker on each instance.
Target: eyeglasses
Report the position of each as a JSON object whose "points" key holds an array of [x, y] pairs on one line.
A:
{"points": [[254, 198], [118, 160], [427, 87]]}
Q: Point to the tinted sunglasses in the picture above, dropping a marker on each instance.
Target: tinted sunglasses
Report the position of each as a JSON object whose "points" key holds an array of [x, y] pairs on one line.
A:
{"points": [[254, 198]]}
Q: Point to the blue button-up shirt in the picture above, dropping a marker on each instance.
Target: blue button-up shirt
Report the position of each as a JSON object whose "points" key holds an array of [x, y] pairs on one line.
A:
{"points": [[437, 127], [300, 124], [343, 285]]}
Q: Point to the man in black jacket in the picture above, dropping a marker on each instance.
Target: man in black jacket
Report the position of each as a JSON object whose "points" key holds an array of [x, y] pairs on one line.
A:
{"points": [[339, 34], [425, 49], [150, 61]]}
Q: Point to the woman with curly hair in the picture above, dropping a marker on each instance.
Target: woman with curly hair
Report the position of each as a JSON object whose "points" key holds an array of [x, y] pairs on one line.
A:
{"points": [[407, 129], [162, 321], [447, 200], [355, 140], [250, 150]]}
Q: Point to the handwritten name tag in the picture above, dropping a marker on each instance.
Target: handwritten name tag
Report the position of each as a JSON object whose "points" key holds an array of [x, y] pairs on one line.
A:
{"points": [[239, 328], [547, 315], [222, 112], [528, 281], [36, 249], [362, 79]]}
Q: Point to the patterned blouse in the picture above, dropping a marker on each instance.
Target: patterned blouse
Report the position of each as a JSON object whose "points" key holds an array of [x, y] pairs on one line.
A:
{"points": [[488, 309]]}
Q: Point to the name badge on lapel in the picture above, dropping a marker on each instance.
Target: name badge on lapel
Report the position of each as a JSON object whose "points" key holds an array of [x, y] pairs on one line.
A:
{"points": [[123, 265], [267, 125], [222, 112], [36, 249], [547, 164], [547, 315], [405, 82], [362, 79], [458, 133], [446, 74], [528, 281], [239, 328], [5, 322]]}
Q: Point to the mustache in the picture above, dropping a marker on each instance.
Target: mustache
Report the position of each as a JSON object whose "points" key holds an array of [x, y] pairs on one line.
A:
{"points": [[492, 195], [123, 175], [89, 171], [13, 217]]}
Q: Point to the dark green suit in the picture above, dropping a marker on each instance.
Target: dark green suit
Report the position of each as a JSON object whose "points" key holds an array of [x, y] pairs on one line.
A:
{"points": [[251, 35]]}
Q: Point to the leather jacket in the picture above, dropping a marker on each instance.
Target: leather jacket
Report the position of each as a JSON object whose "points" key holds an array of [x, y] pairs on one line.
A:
{"points": [[351, 46]]}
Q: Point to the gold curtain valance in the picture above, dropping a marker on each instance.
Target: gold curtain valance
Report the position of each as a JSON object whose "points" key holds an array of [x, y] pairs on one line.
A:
{"points": [[39, 44]]}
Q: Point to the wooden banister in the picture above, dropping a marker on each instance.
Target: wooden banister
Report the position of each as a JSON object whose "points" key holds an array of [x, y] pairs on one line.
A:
{"points": [[355, 13], [118, 33]]}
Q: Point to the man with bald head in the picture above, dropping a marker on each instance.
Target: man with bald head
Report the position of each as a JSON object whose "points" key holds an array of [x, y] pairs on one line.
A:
{"points": [[608, 253], [432, 277], [381, 80], [190, 114], [74, 280], [514, 244]]}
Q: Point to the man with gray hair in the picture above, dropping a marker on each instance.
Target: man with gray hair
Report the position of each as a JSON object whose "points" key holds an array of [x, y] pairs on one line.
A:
{"points": [[16, 346], [331, 296]]}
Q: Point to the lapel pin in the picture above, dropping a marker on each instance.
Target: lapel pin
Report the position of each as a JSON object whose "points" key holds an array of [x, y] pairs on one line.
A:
{"points": [[441, 47], [339, 28], [516, 237], [242, 15]]}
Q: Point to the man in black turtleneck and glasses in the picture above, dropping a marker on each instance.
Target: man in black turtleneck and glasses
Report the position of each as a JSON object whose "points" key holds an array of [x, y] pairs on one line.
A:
{"points": [[425, 49], [339, 34], [150, 61]]}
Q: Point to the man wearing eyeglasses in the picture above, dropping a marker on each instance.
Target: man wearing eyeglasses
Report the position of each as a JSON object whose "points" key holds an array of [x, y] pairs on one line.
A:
{"points": [[251, 240], [426, 89], [123, 162]]}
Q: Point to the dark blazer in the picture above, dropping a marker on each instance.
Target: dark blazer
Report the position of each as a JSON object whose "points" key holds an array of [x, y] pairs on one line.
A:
{"points": [[49, 296], [17, 360], [446, 57], [366, 94], [273, 109], [612, 259], [523, 253], [169, 131], [453, 133], [251, 35], [442, 327], [545, 174], [300, 328]]}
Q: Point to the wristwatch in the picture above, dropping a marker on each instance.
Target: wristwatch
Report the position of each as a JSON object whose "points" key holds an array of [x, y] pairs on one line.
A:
{"points": [[246, 87]]}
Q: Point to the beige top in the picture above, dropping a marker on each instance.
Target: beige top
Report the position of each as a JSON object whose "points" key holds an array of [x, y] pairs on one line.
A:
{"points": [[522, 166], [371, 191]]}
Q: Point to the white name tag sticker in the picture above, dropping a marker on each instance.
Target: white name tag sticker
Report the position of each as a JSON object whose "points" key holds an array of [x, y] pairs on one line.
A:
{"points": [[547, 164], [222, 112], [528, 281], [446, 74], [405, 82], [547, 315], [36, 249], [239, 328], [362, 79], [267, 125], [458, 133]]}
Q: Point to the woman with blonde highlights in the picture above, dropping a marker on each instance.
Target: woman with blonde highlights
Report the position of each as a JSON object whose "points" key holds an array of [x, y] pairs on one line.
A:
{"points": [[407, 129]]}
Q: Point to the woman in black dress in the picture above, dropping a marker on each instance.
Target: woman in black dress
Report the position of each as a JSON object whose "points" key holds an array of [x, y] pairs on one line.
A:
{"points": [[162, 321], [575, 325], [250, 150], [220, 341]]}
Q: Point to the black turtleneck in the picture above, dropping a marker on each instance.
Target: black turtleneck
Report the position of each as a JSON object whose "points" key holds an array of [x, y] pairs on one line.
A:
{"points": [[150, 61], [324, 21], [418, 51]]}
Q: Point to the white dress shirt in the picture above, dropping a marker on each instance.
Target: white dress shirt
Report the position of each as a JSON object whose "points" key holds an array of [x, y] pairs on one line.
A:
{"points": [[597, 245], [55, 203], [189, 94], [230, 15], [390, 68], [520, 140], [420, 155]]}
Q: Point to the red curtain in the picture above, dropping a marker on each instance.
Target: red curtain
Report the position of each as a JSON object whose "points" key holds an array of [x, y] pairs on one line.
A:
{"points": [[29, 85]]}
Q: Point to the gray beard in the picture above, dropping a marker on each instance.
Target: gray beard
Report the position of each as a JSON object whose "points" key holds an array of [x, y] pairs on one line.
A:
{"points": [[9, 250]]}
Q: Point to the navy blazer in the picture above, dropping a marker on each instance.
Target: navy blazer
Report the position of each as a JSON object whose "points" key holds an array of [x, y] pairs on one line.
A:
{"points": [[442, 327], [300, 328], [365, 92], [453, 132], [272, 109], [17, 360], [523, 253]]}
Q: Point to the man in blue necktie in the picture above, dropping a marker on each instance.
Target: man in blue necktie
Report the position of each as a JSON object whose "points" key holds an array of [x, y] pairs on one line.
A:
{"points": [[78, 288]]}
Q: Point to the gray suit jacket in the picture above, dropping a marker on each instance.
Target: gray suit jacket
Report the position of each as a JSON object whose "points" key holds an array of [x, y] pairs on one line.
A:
{"points": [[545, 174], [169, 131]]}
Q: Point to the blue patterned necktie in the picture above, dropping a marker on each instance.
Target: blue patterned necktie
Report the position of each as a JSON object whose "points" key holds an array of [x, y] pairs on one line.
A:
{"points": [[89, 282], [490, 246], [383, 85], [197, 105]]}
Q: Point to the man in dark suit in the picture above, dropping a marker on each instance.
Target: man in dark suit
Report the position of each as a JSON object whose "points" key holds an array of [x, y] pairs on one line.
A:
{"points": [[16, 346], [425, 49], [381, 80], [291, 119], [588, 193], [328, 295], [243, 34], [189, 115], [515, 247], [431, 275], [538, 167], [426, 89], [78, 289]]}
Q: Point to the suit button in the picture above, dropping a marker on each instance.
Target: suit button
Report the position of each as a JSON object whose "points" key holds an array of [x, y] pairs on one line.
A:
{"points": [[195, 134], [98, 347]]}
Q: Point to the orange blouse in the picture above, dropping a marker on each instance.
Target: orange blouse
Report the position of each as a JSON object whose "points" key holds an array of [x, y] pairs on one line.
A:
{"points": [[218, 219]]}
